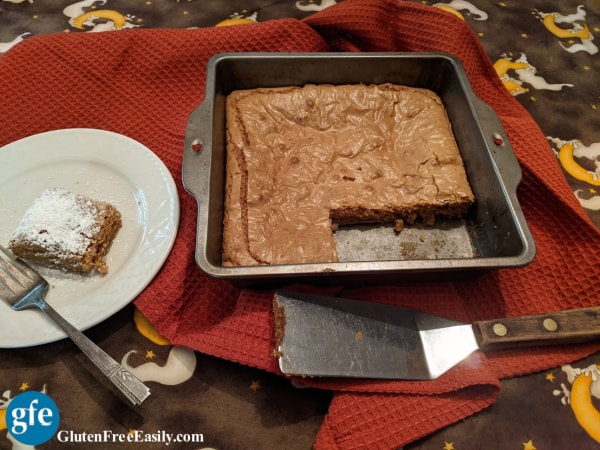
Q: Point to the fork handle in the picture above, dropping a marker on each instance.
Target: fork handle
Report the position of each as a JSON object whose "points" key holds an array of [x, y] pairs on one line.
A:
{"points": [[123, 379]]}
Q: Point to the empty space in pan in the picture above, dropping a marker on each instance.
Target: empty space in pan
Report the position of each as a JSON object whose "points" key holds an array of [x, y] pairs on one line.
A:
{"points": [[447, 239]]}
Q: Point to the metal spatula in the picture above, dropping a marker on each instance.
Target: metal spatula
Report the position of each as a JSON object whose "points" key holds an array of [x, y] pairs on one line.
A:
{"points": [[338, 337], [22, 287]]}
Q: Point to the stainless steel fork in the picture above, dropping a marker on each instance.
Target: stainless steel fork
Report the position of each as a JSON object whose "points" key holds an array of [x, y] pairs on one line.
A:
{"points": [[22, 287]]}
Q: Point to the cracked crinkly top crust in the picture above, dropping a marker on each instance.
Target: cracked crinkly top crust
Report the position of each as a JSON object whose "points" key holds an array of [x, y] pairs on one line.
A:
{"points": [[302, 159]]}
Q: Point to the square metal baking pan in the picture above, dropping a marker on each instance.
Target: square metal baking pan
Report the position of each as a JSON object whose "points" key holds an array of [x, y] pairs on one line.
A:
{"points": [[493, 235]]}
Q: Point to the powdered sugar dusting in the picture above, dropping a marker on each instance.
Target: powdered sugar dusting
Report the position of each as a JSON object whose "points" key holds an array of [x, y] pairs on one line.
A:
{"points": [[59, 219]]}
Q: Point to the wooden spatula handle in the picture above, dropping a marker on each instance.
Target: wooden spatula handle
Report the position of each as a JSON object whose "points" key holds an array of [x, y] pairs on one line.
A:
{"points": [[577, 325]]}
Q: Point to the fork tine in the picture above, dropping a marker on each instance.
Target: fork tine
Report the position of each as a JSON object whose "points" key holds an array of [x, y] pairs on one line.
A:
{"points": [[8, 282], [7, 287], [21, 268], [14, 275]]}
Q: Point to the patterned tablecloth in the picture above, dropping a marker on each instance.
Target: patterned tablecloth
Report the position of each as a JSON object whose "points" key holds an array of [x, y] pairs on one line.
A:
{"points": [[547, 57]]}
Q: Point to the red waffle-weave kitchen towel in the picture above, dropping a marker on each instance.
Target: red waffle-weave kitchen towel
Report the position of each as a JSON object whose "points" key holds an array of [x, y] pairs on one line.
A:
{"points": [[145, 83]]}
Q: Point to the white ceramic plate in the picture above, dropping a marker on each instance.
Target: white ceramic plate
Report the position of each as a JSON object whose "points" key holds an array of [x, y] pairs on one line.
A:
{"points": [[104, 166]]}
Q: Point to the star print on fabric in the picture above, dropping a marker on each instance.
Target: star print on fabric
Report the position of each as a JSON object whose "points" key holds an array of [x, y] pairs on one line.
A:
{"points": [[150, 354], [255, 385], [529, 445], [448, 446], [24, 386], [550, 377]]}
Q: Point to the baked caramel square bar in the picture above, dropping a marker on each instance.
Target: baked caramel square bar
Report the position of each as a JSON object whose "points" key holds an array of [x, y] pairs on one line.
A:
{"points": [[67, 231], [303, 160]]}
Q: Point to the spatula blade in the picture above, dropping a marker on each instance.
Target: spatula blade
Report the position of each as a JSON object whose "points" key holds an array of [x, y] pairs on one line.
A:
{"points": [[337, 337]]}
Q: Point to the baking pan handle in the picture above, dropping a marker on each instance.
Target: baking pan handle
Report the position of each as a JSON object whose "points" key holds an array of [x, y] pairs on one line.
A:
{"points": [[508, 167], [499, 145], [196, 153]]}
